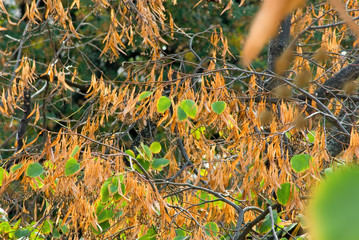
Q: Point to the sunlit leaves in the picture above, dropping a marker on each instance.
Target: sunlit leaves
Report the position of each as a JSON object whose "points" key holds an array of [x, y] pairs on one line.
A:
{"points": [[163, 104], [34, 170], [189, 107], [155, 147], [283, 193], [218, 107], [300, 162], [71, 167]]}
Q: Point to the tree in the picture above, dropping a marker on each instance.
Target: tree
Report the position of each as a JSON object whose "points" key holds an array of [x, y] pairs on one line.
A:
{"points": [[162, 120]]}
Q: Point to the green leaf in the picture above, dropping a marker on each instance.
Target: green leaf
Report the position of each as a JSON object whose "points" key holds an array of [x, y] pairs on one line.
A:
{"points": [[150, 235], [144, 95], [155, 147], [300, 162], [334, 208], [147, 151], [34, 170], [56, 233], [105, 193], [131, 153], [22, 232], [145, 164], [311, 136], [163, 104], [15, 167], [211, 229], [47, 226], [76, 149], [198, 132], [189, 107], [159, 163], [2, 174], [5, 227], [104, 212], [71, 167], [283, 193], [267, 223], [181, 115], [218, 107], [180, 233]]}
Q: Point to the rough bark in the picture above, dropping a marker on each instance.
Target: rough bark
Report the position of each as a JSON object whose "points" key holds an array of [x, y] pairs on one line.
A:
{"points": [[275, 49]]}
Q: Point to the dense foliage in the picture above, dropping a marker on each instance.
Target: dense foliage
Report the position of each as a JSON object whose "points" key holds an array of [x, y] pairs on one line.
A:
{"points": [[175, 119]]}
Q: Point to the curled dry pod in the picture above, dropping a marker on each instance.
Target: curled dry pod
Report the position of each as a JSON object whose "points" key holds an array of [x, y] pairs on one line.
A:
{"points": [[321, 55], [265, 117], [303, 78], [283, 91], [283, 63], [350, 87]]}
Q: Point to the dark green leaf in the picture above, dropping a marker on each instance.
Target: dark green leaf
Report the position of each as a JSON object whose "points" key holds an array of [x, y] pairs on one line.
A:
{"points": [[22, 232], [283, 193], [159, 163], [181, 115]]}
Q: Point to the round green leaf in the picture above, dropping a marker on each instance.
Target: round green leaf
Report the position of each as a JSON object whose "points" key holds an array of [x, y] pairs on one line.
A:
{"points": [[144, 95], [300, 162], [334, 208], [283, 193], [163, 104], [211, 229], [34, 170], [181, 115], [189, 107], [155, 147], [71, 167], [218, 107], [159, 163]]}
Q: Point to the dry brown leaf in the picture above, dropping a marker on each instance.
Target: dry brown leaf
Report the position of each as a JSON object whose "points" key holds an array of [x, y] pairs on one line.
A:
{"points": [[265, 25]]}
